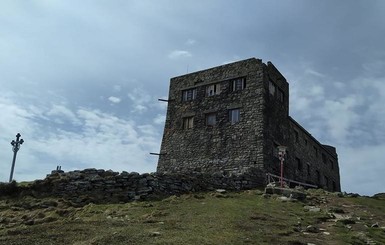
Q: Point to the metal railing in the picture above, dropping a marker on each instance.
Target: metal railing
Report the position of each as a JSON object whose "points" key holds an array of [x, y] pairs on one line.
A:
{"points": [[275, 178]]}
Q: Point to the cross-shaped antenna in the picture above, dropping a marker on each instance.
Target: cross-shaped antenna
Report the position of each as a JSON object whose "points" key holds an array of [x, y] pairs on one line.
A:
{"points": [[15, 148]]}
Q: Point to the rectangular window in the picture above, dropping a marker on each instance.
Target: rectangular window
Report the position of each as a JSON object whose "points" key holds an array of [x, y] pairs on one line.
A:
{"points": [[296, 134], [334, 186], [318, 175], [213, 89], [211, 119], [308, 169], [188, 122], [189, 94], [326, 181], [315, 151], [324, 158], [280, 95], [299, 163], [234, 115], [305, 141], [275, 149], [238, 84], [272, 88]]}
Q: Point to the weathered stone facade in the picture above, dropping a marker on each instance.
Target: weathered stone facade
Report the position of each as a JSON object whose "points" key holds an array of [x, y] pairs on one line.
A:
{"points": [[231, 118]]}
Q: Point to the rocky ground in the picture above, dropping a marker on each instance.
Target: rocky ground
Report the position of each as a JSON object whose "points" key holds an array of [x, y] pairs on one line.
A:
{"points": [[218, 217]]}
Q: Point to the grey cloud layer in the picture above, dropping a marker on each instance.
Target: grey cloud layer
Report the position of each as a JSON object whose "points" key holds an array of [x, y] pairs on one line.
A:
{"points": [[80, 74]]}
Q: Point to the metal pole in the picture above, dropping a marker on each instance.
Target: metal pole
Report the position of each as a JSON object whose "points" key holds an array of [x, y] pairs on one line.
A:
{"points": [[281, 172], [281, 154], [13, 166], [15, 148]]}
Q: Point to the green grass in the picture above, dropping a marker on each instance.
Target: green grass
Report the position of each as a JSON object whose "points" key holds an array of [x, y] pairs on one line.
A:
{"points": [[203, 218]]}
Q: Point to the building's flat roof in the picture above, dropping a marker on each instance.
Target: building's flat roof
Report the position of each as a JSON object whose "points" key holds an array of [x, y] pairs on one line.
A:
{"points": [[215, 67]]}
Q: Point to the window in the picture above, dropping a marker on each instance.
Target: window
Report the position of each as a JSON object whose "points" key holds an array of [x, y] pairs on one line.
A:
{"points": [[324, 158], [280, 95], [234, 115], [315, 151], [296, 134], [334, 186], [238, 84], [211, 119], [331, 164], [189, 94], [326, 181], [299, 163], [188, 122], [272, 88], [213, 89], [275, 150], [318, 177], [305, 141], [308, 169]]}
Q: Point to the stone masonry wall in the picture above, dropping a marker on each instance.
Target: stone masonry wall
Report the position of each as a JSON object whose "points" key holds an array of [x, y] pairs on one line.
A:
{"points": [[229, 148], [307, 160], [311, 161], [251, 143], [100, 186]]}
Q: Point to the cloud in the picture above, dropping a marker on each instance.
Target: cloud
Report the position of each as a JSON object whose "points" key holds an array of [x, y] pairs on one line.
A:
{"points": [[114, 99], [363, 165], [340, 116], [176, 54], [141, 100], [313, 72], [117, 88], [100, 140], [348, 114], [190, 42], [60, 113], [160, 119]]}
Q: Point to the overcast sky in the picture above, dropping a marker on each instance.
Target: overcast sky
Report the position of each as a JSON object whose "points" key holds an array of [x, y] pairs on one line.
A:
{"points": [[80, 79]]}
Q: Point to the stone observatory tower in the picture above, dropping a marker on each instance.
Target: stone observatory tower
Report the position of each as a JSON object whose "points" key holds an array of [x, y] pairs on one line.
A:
{"points": [[230, 120]]}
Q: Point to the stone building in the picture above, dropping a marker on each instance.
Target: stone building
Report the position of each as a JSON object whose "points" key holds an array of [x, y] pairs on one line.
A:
{"points": [[230, 120]]}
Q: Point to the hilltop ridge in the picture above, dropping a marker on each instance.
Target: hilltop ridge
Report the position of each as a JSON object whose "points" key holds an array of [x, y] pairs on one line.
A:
{"points": [[213, 217]]}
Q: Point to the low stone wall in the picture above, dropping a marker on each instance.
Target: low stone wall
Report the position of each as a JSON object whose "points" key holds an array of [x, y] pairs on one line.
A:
{"points": [[100, 186]]}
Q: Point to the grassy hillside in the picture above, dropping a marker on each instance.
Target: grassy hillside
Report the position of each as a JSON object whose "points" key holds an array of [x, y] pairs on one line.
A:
{"points": [[247, 217]]}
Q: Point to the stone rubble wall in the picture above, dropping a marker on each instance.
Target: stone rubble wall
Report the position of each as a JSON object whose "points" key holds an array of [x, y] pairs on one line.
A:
{"points": [[100, 186]]}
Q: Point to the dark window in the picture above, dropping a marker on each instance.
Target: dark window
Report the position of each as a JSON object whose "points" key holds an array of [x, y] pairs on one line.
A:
{"points": [[211, 119], [213, 89], [296, 134], [334, 186], [238, 84], [280, 95], [299, 163], [331, 164], [315, 151], [318, 175], [272, 88], [308, 169], [189, 94], [326, 181], [234, 115], [188, 122], [324, 158], [305, 141], [275, 150]]}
